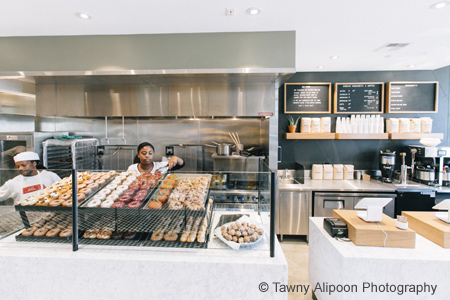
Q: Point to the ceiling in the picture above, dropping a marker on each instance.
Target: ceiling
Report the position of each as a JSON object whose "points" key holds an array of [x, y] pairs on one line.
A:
{"points": [[354, 30]]}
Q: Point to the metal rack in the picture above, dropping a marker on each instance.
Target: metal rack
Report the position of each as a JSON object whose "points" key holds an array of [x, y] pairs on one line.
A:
{"points": [[70, 154]]}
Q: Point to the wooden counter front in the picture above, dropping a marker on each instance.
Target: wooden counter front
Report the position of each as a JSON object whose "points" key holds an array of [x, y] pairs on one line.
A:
{"points": [[363, 233], [427, 225]]}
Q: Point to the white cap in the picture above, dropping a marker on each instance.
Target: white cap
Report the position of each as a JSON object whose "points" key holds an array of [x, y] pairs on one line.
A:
{"points": [[27, 155]]}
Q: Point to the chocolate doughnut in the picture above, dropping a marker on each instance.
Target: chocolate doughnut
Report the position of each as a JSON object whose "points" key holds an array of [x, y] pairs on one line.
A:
{"points": [[129, 235], [124, 198], [118, 204], [117, 235], [139, 198], [130, 192], [134, 204]]}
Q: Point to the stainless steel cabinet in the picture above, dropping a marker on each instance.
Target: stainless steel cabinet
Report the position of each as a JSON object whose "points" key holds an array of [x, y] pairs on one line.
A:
{"points": [[293, 211]]}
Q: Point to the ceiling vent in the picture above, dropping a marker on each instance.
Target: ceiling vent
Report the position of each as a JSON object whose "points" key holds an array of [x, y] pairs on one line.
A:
{"points": [[391, 47]]}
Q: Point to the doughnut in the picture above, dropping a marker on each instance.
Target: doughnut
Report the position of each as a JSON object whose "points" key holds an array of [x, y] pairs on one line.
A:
{"points": [[43, 202], [106, 191], [40, 232], [107, 203], [162, 198], [104, 235], [124, 198], [157, 235], [192, 237], [184, 236], [142, 192], [29, 201], [29, 231], [81, 197], [66, 233], [49, 225], [112, 197], [118, 204], [53, 232], [168, 187], [171, 236], [66, 196], [100, 197], [53, 195], [90, 234], [127, 182], [165, 191], [67, 203], [129, 192], [117, 235], [100, 181], [82, 186], [139, 198], [122, 187], [89, 181], [86, 191], [116, 181], [94, 203], [59, 226], [155, 204], [145, 187], [134, 204], [94, 186], [57, 202], [112, 186], [129, 235], [112, 173]]}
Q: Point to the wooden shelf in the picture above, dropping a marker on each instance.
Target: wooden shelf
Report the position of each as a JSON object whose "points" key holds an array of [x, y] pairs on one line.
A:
{"points": [[415, 136], [427, 225], [310, 136], [362, 136]]}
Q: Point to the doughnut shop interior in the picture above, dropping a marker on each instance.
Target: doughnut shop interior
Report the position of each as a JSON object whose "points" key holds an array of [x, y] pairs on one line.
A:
{"points": [[309, 142]]}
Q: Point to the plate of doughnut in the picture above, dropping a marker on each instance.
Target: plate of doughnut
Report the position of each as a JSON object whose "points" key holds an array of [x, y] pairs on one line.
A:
{"points": [[239, 234], [53, 225]]}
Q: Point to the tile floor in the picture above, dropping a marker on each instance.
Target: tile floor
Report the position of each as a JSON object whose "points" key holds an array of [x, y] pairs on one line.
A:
{"points": [[295, 250]]}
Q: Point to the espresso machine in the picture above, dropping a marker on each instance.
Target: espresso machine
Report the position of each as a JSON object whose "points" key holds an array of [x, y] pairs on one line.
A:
{"points": [[387, 165], [431, 165]]}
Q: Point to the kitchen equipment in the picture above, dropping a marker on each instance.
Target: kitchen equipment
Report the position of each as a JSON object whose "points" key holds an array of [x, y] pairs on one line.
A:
{"points": [[223, 149], [326, 202], [446, 176], [425, 174], [427, 156], [293, 211], [387, 165], [335, 227]]}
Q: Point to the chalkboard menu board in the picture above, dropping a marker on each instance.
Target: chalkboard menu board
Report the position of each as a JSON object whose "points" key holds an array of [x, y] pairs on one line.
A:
{"points": [[412, 97], [307, 98], [359, 97]]}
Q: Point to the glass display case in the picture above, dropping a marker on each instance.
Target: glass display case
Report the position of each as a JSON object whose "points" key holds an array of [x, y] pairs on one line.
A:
{"points": [[174, 210]]}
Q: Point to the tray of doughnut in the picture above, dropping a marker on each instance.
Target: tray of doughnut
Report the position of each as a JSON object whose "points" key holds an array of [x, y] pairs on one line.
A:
{"points": [[127, 191], [58, 196], [106, 235], [179, 192], [54, 227]]}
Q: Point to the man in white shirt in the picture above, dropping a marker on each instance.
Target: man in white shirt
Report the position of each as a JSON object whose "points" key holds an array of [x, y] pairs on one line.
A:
{"points": [[30, 179]]}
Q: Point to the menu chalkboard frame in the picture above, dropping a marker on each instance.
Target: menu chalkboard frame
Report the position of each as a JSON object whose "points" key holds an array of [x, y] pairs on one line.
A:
{"points": [[300, 84], [388, 97], [381, 109]]}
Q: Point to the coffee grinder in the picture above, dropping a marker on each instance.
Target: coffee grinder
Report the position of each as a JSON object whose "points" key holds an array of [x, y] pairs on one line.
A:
{"points": [[387, 165]]}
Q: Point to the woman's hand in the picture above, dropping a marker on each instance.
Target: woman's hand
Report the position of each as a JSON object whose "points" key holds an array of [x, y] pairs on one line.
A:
{"points": [[173, 161]]}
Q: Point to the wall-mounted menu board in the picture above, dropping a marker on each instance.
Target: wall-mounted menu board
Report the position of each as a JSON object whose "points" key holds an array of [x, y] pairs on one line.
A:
{"points": [[359, 97], [307, 98], [412, 97]]}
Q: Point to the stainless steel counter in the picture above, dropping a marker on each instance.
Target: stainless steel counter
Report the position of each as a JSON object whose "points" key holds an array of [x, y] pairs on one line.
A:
{"points": [[339, 185]]}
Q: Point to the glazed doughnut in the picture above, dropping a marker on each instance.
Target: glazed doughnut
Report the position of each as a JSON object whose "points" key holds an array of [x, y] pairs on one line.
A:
{"points": [[171, 236], [89, 181], [104, 235], [112, 197], [112, 186], [85, 191], [60, 226], [100, 181], [107, 203], [81, 197], [43, 202], [66, 196], [53, 195], [192, 237], [90, 234], [94, 203], [134, 204], [49, 225], [67, 203], [40, 232], [112, 173], [29, 231], [122, 188], [100, 197], [184, 236], [66, 233], [53, 232], [116, 181], [57, 202], [94, 186], [127, 182], [106, 191], [81, 186], [157, 235]]}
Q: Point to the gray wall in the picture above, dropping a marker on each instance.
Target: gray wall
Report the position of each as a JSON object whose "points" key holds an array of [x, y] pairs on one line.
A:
{"points": [[147, 52], [362, 153]]}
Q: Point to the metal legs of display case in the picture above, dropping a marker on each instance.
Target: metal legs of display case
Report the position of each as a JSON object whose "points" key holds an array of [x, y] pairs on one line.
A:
{"points": [[74, 211]]}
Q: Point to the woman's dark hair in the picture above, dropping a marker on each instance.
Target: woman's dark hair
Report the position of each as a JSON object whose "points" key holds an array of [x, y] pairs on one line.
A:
{"points": [[142, 145], [39, 166]]}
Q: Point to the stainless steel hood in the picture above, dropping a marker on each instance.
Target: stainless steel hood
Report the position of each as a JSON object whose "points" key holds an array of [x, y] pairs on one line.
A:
{"points": [[158, 95]]}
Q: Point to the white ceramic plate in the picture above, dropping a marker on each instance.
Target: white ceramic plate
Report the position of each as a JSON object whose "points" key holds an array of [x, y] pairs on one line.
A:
{"points": [[218, 233]]}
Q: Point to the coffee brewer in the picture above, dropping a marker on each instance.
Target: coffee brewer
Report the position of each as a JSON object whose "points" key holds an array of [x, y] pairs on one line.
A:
{"points": [[387, 165]]}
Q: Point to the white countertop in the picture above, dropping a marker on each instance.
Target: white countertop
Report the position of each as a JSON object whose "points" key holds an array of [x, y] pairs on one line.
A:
{"points": [[340, 185]]}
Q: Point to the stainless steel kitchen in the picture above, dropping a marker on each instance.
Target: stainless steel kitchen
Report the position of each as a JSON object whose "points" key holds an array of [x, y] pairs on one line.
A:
{"points": [[234, 158]]}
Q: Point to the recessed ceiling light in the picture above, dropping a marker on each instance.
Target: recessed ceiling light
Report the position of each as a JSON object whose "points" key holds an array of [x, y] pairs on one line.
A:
{"points": [[438, 5], [411, 66], [320, 67], [83, 16], [334, 57], [253, 11]]}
